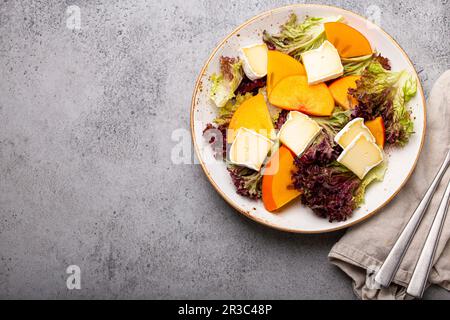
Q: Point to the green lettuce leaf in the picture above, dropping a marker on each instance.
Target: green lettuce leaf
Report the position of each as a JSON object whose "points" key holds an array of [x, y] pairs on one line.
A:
{"points": [[333, 124], [406, 90], [376, 174], [295, 38], [356, 66], [224, 85]]}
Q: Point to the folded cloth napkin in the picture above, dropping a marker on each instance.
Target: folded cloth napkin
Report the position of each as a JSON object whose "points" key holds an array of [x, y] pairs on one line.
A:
{"points": [[361, 251]]}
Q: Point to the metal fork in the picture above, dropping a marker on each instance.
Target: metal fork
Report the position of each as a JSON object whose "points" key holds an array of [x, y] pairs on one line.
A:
{"points": [[390, 266]]}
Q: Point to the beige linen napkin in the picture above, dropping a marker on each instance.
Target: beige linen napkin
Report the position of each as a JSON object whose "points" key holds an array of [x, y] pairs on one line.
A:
{"points": [[364, 247]]}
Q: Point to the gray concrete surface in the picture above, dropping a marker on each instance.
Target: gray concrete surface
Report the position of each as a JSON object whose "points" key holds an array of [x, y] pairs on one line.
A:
{"points": [[86, 118]]}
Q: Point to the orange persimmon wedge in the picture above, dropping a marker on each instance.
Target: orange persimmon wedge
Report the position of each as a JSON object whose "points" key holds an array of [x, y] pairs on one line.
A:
{"points": [[277, 189], [377, 129], [339, 91], [348, 41], [252, 114], [280, 66], [294, 93]]}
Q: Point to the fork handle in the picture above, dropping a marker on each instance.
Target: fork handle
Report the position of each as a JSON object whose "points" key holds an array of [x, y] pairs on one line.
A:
{"points": [[421, 272], [390, 266]]}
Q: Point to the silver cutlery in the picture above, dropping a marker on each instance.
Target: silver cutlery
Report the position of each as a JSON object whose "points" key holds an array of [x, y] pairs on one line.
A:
{"points": [[423, 267], [390, 266]]}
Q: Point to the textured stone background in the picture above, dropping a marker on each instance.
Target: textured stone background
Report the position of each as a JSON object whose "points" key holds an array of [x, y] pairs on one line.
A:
{"points": [[85, 136]]}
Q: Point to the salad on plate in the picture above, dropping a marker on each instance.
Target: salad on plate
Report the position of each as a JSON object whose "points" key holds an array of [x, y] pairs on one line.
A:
{"points": [[309, 115]]}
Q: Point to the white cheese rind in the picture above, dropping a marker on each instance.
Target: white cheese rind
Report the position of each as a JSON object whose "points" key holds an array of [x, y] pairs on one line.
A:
{"points": [[361, 156], [322, 64], [254, 60], [298, 132], [296, 114], [351, 130], [249, 149]]}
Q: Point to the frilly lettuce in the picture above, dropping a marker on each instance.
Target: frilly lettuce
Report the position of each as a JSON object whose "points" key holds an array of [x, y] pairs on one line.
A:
{"points": [[224, 85], [376, 174], [357, 65], [295, 38], [248, 182], [385, 93], [327, 187], [333, 124], [406, 91]]}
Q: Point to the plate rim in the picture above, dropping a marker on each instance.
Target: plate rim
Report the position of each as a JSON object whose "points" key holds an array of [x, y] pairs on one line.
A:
{"points": [[247, 213]]}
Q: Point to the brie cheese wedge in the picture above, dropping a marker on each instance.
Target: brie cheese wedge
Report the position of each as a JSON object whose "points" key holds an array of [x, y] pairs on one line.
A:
{"points": [[254, 60], [351, 131], [361, 156], [249, 149], [322, 64], [298, 132]]}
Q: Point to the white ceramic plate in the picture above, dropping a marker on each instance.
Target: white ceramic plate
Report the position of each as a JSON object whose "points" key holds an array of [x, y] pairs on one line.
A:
{"points": [[296, 217]]}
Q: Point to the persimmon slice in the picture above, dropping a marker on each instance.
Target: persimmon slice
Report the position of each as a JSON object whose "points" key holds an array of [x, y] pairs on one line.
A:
{"points": [[252, 114], [348, 41], [280, 66], [339, 91], [377, 129], [294, 93], [277, 189]]}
